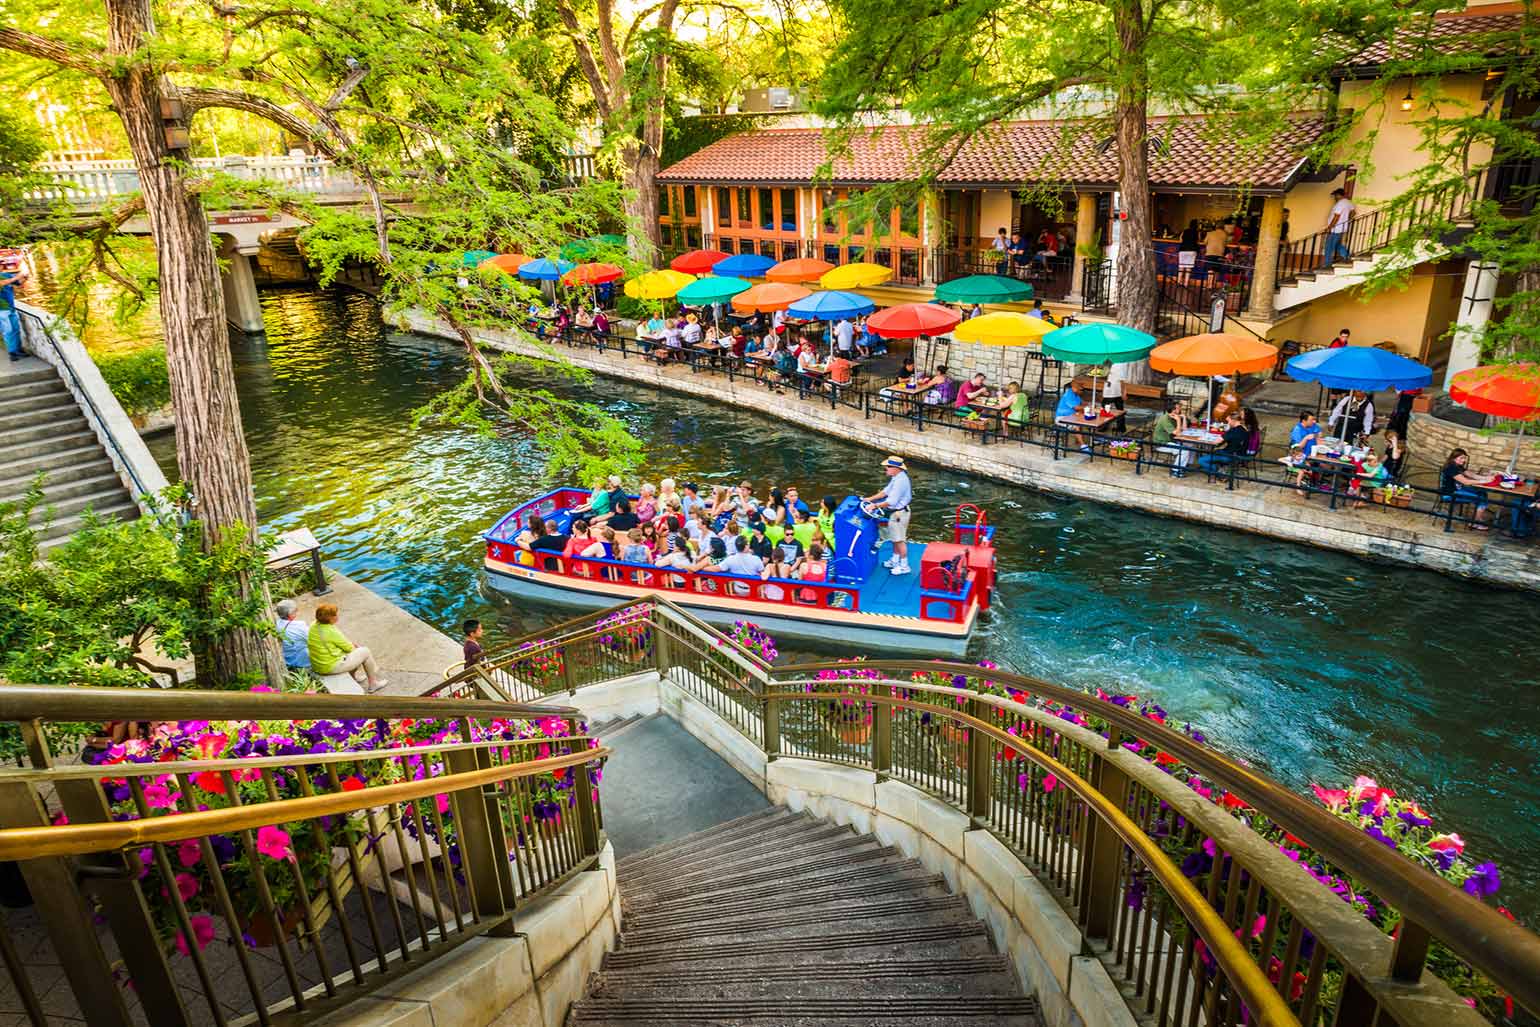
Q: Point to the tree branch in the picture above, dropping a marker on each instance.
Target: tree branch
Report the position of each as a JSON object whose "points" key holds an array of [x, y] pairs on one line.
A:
{"points": [[585, 57], [349, 84], [55, 51], [197, 98]]}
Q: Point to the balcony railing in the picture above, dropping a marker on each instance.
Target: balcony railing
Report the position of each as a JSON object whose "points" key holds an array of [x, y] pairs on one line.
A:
{"points": [[94, 182], [222, 861], [1237, 934]]}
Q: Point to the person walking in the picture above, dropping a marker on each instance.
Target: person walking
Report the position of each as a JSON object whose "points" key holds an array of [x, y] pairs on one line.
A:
{"points": [[1336, 228], [895, 497], [12, 274]]}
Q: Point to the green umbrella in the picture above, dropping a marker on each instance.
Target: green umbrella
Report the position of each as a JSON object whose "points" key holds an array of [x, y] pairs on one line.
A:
{"points": [[474, 258], [1098, 343], [705, 291], [594, 246], [983, 289]]}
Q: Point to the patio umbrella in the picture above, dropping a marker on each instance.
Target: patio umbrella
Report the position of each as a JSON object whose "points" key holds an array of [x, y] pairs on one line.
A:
{"points": [[697, 262], [744, 265], [983, 289], [705, 291], [506, 262], [1097, 344], [544, 270], [912, 320], [591, 274], [1213, 353], [475, 258], [855, 276], [767, 297], [657, 285], [1364, 368], [1510, 391], [593, 246], [1002, 328], [799, 271], [831, 306]]}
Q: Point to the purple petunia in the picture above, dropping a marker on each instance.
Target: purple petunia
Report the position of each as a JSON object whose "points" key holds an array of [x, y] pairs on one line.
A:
{"points": [[1484, 881]]}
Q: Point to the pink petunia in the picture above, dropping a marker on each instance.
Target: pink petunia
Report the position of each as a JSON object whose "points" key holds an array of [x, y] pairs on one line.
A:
{"points": [[186, 886], [211, 746], [203, 933], [1331, 798], [189, 852], [158, 796], [1050, 783], [262, 688], [273, 843], [1448, 843], [443, 804]]}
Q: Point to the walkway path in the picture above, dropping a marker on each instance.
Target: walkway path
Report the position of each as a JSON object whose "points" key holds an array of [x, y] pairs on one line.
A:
{"points": [[1373, 532]]}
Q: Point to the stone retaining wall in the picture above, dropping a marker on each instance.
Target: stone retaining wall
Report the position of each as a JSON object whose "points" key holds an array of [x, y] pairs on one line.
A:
{"points": [[1378, 534], [1435, 438]]}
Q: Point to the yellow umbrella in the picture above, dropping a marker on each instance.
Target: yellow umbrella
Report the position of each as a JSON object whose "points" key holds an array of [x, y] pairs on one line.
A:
{"points": [[657, 285], [1002, 328], [855, 276]]}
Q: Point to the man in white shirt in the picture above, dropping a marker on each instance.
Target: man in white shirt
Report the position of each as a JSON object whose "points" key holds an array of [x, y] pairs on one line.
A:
{"points": [[691, 333], [895, 497], [1336, 227], [742, 561], [777, 319], [844, 337]]}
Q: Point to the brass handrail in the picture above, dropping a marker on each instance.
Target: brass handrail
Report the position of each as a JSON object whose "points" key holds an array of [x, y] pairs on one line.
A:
{"points": [[1266, 1005], [1498, 947], [80, 839]]}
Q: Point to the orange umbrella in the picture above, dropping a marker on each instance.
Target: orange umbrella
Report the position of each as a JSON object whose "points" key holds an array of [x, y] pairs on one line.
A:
{"points": [[1212, 354], [1510, 391], [769, 296], [509, 262], [803, 269], [591, 274]]}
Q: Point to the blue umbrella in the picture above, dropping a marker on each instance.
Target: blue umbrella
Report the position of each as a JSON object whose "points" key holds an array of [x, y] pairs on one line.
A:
{"points": [[1364, 368], [744, 265], [544, 270], [831, 306]]}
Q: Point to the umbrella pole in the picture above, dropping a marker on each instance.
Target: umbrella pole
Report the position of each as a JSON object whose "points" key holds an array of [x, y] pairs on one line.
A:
{"points": [[1513, 461]]}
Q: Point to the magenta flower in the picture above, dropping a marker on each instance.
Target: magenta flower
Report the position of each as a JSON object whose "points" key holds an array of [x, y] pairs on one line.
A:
{"points": [[158, 796], [189, 852], [186, 886], [1448, 843], [1050, 783], [273, 843], [203, 933], [1331, 798]]}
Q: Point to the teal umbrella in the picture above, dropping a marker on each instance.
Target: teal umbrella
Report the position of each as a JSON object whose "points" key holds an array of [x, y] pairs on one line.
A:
{"points": [[1098, 343], [983, 289], [705, 291], [473, 258], [594, 246]]}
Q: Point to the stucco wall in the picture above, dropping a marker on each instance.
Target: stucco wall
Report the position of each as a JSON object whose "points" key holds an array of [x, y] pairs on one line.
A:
{"points": [[1395, 136], [1416, 318]]}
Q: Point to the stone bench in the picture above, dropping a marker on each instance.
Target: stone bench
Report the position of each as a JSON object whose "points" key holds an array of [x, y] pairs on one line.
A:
{"points": [[340, 684]]}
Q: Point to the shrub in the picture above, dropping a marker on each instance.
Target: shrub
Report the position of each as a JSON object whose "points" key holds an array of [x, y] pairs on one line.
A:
{"points": [[138, 378]]}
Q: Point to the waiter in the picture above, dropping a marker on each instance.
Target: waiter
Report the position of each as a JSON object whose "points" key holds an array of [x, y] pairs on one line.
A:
{"points": [[895, 498]]}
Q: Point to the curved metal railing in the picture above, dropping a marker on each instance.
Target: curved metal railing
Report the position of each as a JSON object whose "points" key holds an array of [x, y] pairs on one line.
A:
{"points": [[356, 837]]}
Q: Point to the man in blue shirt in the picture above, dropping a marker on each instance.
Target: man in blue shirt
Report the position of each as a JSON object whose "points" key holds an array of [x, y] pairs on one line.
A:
{"points": [[11, 275], [1069, 403], [295, 636], [1302, 439], [895, 498]]}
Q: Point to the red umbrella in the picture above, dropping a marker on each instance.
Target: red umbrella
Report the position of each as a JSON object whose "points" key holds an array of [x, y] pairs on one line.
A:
{"points": [[912, 320], [1510, 391], [592, 274], [697, 262]]}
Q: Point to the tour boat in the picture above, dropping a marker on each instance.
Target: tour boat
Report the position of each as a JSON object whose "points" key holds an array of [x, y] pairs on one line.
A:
{"points": [[931, 610]]}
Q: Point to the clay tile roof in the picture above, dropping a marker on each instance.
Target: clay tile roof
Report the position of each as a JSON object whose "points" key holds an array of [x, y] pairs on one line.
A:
{"points": [[1457, 34], [1008, 155]]}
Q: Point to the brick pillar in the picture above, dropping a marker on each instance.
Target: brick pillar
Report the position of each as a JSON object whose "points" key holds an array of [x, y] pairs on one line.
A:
{"points": [[1085, 231], [1264, 276]]}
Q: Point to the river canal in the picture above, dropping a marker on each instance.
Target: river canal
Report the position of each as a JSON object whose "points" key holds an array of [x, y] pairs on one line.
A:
{"points": [[1313, 665]]}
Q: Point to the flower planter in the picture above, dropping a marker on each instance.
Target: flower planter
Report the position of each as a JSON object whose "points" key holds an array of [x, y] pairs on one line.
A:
{"points": [[956, 738], [263, 929], [1123, 456], [853, 732]]}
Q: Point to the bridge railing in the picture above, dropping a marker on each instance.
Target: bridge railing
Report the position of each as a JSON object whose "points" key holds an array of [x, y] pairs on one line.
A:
{"points": [[89, 183], [263, 857], [1174, 860]]}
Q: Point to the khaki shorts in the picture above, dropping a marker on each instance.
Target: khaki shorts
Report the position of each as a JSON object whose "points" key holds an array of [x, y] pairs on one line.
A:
{"points": [[898, 525]]}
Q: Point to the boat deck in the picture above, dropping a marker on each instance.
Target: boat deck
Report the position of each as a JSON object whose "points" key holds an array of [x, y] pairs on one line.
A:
{"points": [[897, 595]]}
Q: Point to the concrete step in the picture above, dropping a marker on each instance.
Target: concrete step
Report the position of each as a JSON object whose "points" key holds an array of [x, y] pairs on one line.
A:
{"points": [[53, 418], [709, 853], [873, 978], [63, 528], [870, 868], [911, 1011], [14, 379], [679, 845], [83, 455], [37, 396], [814, 839], [24, 442], [613, 729], [809, 922], [953, 939], [98, 478], [100, 500]]}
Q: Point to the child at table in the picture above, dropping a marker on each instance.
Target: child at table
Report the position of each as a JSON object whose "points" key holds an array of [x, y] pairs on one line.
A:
{"points": [[1367, 472]]}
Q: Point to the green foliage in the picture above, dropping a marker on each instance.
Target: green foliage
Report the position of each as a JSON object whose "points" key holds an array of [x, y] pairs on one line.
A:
{"points": [[138, 378], [21, 147], [683, 136], [81, 617]]}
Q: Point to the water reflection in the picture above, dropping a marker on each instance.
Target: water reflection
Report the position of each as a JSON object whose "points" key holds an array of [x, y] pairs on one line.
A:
{"points": [[1313, 665]]}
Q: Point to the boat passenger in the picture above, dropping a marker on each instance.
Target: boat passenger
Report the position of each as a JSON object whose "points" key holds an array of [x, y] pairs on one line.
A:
{"points": [[675, 553], [655, 537], [701, 528], [774, 511], [791, 548], [825, 515], [802, 526], [721, 501], [815, 567], [667, 493], [598, 504], [646, 504], [624, 518], [794, 500], [776, 565], [690, 499], [759, 544], [603, 547], [635, 550], [579, 540], [712, 553]]}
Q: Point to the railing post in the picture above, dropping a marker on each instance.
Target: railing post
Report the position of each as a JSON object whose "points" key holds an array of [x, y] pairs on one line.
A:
{"points": [[588, 823], [882, 738], [479, 830], [772, 724], [1411, 952], [978, 768], [1103, 853]]}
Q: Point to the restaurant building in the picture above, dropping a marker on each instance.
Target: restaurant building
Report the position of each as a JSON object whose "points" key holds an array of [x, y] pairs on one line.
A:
{"points": [[775, 191]]}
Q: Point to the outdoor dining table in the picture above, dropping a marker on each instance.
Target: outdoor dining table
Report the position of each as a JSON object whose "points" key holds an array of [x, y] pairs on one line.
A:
{"points": [[1079, 424], [1491, 483], [1338, 465], [991, 415]]}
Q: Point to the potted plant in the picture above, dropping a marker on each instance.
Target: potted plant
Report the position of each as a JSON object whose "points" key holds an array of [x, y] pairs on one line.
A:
{"points": [[627, 633], [1123, 449]]}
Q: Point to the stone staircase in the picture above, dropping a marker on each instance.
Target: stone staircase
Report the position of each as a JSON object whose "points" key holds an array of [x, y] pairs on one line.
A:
{"points": [[43, 430], [783, 919]]}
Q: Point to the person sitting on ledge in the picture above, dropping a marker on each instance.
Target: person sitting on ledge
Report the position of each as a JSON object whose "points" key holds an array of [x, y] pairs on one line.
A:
{"points": [[332, 653], [471, 646], [295, 635]]}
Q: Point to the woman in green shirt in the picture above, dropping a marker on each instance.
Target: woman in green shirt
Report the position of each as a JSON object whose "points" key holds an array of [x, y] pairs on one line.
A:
{"points": [[332, 653]]}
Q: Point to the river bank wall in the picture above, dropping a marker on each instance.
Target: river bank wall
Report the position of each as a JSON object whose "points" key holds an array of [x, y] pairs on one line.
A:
{"points": [[1374, 532]]}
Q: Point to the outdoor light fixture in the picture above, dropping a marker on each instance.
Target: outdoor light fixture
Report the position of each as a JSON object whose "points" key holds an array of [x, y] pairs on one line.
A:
{"points": [[1406, 101]]}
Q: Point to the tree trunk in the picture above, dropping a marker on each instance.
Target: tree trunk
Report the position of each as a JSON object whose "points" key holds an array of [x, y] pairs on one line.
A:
{"points": [[641, 163], [210, 445], [1138, 290]]}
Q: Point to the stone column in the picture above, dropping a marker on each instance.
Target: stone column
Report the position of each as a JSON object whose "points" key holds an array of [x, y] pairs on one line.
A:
{"points": [[242, 307], [1475, 312], [930, 233], [1085, 231], [1264, 276]]}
